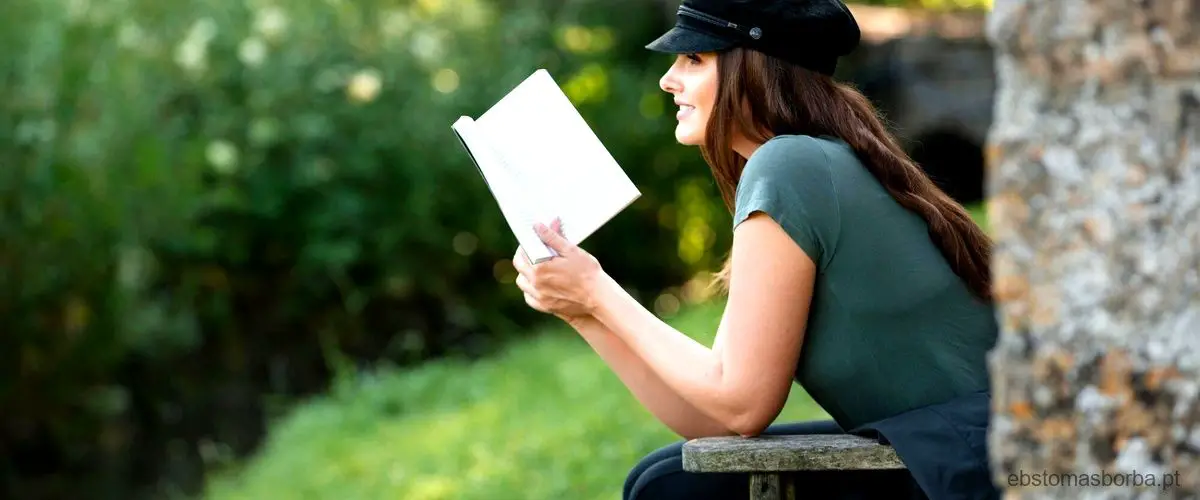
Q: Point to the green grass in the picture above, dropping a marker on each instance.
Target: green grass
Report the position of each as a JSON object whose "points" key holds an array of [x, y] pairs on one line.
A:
{"points": [[545, 418]]}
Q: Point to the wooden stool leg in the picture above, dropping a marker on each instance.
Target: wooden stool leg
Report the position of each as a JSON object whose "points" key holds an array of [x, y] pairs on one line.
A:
{"points": [[772, 486]]}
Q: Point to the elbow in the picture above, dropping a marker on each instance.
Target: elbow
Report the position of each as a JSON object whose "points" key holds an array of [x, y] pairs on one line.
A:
{"points": [[753, 421], [748, 427], [750, 416], [707, 433], [749, 407]]}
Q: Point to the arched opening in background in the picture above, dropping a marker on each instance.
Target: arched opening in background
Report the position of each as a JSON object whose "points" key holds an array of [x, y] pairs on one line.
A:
{"points": [[955, 163]]}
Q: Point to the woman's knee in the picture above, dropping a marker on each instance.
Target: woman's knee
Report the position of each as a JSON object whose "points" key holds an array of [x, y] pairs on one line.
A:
{"points": [[660, 476], [648, 461]]}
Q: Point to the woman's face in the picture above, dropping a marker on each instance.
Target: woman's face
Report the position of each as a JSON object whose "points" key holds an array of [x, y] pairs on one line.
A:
{"points": [[692, 79]]}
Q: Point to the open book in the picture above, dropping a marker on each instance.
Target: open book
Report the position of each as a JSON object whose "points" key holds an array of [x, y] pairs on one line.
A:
{"points": [[541, 160]]}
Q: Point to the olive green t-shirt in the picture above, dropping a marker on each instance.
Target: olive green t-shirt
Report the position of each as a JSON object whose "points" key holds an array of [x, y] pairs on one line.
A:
{"points": [[890, 327]]}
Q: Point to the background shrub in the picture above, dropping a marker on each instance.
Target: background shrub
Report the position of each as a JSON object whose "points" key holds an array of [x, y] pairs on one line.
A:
{"points": [[208, 207]]}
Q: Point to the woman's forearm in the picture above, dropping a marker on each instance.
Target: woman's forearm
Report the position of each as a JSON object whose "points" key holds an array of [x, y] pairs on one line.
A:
{"points": [[663, 402], [687, 367]]}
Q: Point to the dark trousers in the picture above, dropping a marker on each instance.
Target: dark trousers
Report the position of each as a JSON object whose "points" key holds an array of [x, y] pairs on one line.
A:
{"points": [[660, 476]]}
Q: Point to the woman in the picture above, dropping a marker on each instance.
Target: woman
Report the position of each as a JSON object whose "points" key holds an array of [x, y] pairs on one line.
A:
{"points": [[850, 272]]}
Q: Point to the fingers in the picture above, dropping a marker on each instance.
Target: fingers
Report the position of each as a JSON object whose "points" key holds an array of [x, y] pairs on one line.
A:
{"points": [[526, 276], [532, 297], [524, 268], [526, 287], [521, 263], [526, 283], [533, 303], [553, 239], [518, 260]]}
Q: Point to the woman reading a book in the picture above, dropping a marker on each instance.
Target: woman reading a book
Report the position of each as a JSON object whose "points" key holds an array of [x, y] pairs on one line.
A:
{"points": [[850, 272]]}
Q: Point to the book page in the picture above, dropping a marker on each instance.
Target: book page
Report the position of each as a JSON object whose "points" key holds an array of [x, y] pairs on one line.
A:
{"points": [[507, 190], [562, 167]]}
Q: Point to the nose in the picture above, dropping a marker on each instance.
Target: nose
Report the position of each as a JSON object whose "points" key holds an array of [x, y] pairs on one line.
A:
{"points": [[668, 83]]}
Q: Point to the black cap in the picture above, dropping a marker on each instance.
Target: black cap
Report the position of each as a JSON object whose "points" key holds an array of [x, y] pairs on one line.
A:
{"points": [[810, 33]]}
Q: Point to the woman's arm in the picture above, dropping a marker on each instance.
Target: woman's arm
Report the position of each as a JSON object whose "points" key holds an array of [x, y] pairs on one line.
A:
{"points": [[743, 382], [679, 415]]}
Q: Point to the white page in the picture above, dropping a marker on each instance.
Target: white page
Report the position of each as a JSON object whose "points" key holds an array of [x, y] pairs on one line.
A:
{"points": [[507, 190], [562, 167]]}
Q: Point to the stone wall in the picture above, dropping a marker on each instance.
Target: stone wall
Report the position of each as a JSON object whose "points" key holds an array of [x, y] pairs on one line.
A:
{"points": [[1095, 204]]}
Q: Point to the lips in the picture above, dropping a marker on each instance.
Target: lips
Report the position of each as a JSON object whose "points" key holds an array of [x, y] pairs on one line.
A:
{"points": [[684, 109]]}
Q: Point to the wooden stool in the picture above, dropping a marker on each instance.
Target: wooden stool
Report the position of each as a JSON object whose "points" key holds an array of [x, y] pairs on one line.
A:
{"points": [[770, 460]]}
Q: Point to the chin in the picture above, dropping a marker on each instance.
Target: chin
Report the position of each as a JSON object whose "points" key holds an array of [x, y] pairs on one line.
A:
{"points": [[688, 136]]}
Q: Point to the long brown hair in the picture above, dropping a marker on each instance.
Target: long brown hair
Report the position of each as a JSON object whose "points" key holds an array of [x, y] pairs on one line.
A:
{"points": [[761, 96]]}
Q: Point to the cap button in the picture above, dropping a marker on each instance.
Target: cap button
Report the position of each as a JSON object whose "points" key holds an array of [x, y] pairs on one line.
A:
{"points": [[755, 33]]}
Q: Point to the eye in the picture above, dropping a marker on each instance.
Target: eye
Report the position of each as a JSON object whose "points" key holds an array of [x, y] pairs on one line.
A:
{"points": [[694, 58]]}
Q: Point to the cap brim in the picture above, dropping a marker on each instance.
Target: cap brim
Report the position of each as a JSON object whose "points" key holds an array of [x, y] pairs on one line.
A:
{"points": [[683, 40]]}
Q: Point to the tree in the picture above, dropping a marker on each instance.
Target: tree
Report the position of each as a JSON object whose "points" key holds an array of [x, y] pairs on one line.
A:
{"points": [[1094, 187]]}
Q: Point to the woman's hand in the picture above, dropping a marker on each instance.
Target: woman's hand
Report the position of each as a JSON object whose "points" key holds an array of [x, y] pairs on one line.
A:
{"points": [[564, 285]]}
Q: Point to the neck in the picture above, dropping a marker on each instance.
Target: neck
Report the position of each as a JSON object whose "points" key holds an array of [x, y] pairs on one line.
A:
{"points": [[745, 147]]}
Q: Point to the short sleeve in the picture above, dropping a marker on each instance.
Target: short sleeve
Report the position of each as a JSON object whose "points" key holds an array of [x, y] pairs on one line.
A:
{"points": [[789, 179]]}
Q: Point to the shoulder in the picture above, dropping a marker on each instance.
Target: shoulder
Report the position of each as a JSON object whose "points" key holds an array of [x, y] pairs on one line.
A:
{"points": [[800, 164], [790, 179], [785, 153]]}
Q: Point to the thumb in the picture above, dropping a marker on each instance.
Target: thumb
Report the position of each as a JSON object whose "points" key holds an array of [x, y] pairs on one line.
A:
{"points": [[554, 239]]}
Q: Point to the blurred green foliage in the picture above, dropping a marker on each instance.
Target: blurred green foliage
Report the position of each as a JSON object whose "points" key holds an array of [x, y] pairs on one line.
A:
{"points": [[207, 203]]}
